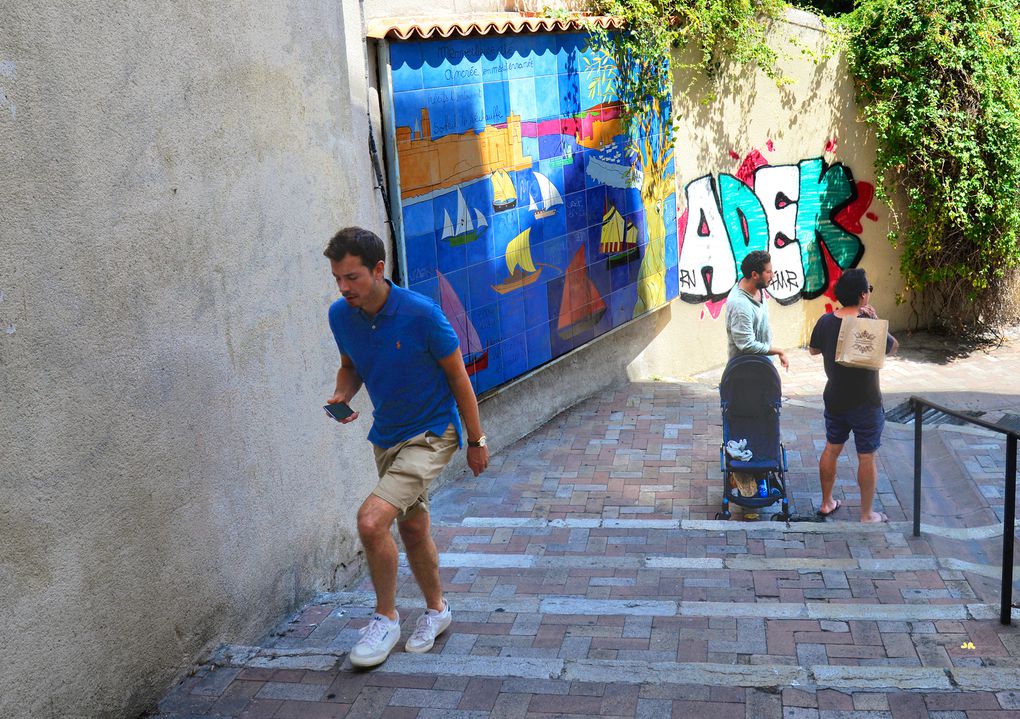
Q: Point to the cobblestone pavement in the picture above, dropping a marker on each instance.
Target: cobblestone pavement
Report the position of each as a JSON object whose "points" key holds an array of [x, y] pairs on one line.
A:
{"points": [[588, 577]]}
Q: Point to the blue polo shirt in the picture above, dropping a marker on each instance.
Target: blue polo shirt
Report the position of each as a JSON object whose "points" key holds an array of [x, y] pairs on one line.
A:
{"points": [[397, 355]]}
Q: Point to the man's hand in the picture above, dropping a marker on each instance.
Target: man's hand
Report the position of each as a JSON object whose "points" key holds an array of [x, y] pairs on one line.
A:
{"points": [[783, 361], [340, 397], [478, 459], [867, 311]]}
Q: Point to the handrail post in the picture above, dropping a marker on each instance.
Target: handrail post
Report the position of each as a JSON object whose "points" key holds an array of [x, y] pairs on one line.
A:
{"points": [[1008, 532], [918, 411]]}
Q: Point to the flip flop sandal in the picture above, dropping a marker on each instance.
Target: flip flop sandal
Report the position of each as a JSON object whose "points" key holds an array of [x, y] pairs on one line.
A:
{"points": [[882, 517], [839, 503]]}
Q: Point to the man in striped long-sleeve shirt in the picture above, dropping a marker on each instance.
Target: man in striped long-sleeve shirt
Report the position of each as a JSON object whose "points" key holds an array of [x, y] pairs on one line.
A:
{"points": [[747, 316]]}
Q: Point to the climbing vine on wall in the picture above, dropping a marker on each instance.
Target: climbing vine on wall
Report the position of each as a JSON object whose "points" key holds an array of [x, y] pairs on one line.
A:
{"points": [[939, 81], [716, 30]]}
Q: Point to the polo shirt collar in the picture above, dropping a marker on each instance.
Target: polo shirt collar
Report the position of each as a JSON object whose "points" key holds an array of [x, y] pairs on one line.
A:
{"points": [[392, 303]]}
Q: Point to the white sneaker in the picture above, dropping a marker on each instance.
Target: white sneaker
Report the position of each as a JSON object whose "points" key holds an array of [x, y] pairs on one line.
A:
{"points": [[378, 638], [430, 625]]}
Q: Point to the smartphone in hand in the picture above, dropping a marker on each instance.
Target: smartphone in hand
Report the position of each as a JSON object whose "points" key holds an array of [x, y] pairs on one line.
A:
{"points": [[338, 411]]}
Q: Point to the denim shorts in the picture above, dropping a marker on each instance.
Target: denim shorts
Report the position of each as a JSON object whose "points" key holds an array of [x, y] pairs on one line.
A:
{"points": [[866, 422]]}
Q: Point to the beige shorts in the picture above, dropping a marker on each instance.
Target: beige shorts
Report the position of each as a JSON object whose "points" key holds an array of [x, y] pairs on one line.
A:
{"points": [[407, 469]]}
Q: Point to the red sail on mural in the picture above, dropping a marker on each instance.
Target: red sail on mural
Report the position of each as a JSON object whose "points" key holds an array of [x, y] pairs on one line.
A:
{"points": [[476, 357], [582, 306]]}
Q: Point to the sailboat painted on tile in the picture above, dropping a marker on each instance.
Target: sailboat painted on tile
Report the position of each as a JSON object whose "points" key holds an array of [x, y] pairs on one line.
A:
{"points": [[476, 357], [619, 238], [581, 307], [465, 230], [504, 195], [548, 197], [520, 266], [566, 159]]}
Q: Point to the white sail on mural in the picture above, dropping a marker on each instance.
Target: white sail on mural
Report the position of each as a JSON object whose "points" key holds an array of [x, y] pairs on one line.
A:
{"points": [[549, 197], [465, 230]]}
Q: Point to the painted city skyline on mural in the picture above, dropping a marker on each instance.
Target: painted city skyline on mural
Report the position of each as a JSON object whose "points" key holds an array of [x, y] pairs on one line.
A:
{"points": [[525, 208]]}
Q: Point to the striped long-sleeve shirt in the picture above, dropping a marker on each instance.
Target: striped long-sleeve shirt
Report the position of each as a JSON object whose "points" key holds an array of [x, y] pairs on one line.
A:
{"points": [[747, 324]]}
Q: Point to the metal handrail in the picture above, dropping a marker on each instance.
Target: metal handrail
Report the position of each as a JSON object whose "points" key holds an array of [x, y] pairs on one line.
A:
{"points": [[1009, 510]]}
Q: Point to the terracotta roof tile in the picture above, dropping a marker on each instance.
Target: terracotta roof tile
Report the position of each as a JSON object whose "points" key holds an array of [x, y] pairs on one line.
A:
{"points": [[499, 23]]}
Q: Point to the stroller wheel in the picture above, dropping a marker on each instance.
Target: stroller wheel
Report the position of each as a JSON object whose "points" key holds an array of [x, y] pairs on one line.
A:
{"points": [[780, 517], [722, 515]]}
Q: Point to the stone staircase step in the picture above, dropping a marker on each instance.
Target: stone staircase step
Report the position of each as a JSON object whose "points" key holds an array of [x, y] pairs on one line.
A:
{"points": [[849, 566], [698, 526], [582, 606], [767, 676]]}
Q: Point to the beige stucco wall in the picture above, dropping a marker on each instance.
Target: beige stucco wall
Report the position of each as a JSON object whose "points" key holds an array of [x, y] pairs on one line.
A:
{"points": [[799, 120], [170, 174]]}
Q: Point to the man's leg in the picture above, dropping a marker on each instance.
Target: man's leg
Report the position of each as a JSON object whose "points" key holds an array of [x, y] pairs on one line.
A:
{"points": [[868, 425], [827, 475], [375, 518], [416, 533], [867, 476]]}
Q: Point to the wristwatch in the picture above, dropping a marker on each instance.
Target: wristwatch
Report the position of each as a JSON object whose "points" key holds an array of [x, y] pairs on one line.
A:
{"points": [[480, 443]]}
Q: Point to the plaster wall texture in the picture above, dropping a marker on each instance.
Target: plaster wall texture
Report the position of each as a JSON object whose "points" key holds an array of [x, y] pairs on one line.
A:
{"points": [[799, 119], [171, 173]]}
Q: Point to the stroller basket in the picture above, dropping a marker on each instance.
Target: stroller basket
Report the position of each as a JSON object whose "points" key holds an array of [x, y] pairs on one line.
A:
{"points": [[750, 395]]}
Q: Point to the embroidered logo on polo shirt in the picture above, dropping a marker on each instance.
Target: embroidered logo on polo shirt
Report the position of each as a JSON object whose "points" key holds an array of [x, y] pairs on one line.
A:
{"points": [[398, 344]]}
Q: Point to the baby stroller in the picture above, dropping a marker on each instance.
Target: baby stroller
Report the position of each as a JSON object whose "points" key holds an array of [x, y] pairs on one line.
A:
{"points": [[750, 394]]}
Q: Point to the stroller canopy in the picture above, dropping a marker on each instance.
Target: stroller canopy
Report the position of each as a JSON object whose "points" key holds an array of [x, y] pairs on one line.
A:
{"points": [[750, 385], [751, 396]]}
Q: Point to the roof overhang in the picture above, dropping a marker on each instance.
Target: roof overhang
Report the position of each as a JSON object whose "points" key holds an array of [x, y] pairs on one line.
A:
{"points": [[497, 23]]}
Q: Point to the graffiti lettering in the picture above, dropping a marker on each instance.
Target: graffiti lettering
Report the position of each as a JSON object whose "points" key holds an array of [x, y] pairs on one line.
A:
{"points": [[784, 280], [788, 210]]}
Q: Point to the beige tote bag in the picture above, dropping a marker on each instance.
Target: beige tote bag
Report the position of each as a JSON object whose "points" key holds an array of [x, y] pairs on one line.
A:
{"points": [[861, 342]]}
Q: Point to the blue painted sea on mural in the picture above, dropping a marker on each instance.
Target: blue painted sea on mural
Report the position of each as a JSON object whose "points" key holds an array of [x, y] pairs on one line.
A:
{"points": [[520, 198]]}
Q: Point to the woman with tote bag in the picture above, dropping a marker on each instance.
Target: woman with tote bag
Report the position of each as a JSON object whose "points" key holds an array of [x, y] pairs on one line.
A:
{"points": [[853, 401]]}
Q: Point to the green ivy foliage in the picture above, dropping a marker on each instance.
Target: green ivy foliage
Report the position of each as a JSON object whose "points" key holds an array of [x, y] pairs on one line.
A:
{"points": [[717, 29], [939, 81]]}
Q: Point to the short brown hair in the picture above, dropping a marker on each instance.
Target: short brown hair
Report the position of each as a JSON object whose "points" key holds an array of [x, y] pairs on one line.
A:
{"points": [[755, 262], [359, 242]]}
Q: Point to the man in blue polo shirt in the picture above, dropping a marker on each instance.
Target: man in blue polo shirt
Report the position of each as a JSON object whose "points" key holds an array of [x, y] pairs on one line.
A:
{"points": [[401, 346]]}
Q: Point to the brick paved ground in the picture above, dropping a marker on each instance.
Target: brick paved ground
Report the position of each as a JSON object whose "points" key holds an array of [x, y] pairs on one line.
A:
{"points": [[588, 578]]}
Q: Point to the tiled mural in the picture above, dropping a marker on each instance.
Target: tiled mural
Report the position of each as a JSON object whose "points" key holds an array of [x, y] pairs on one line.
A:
{"points": [[526, 210]]}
